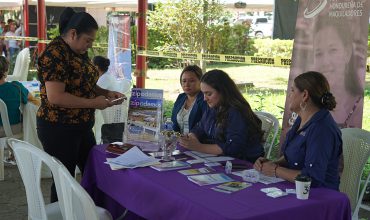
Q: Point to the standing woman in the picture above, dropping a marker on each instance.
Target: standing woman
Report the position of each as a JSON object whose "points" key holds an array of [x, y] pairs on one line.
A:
{"points": [[189, 106], [314, 143], [229, 127], [69, 94]]}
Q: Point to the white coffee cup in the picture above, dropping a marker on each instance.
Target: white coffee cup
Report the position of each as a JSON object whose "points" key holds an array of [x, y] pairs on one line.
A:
{"points": [[302, 186]]}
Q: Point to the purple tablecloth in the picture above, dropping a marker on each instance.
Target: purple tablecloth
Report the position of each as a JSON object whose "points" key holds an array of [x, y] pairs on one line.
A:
{"points": [[169, 195]]}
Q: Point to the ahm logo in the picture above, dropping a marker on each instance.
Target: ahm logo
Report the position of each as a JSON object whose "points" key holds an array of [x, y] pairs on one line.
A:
{"points": [[314, 7]]}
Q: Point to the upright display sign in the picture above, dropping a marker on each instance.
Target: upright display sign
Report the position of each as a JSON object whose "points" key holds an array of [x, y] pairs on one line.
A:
{"points": [[331, 37], [119, 46]]}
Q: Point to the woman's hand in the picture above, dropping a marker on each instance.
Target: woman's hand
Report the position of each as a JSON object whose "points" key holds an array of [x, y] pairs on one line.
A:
{"points": [[258, 164], [115, 98], [189, 141], [269, 168], [101, 102]]}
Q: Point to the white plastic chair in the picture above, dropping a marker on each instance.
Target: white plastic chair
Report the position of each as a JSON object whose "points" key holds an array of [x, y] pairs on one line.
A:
{"points": [[356, 152], [114, 114], [78, 205], [270, 125], [29, 160], [74, 202], [21, 66], [8, 134]]}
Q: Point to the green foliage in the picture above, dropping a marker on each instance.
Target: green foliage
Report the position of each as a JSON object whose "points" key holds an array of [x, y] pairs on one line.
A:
{"points": [[227, 39], [53, 32], [168, 105], [185, 25], [100, 44], [273, 48]]}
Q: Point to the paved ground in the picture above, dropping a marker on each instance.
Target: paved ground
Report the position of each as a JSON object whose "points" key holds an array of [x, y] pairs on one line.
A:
{"points": [[13, 202]]}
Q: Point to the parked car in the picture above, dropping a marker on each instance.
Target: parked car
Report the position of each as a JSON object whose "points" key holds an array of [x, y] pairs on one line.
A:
{"points": [[260, 27]]}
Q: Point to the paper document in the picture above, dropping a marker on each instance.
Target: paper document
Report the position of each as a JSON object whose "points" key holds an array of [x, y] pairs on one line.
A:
{"points": [[209, 179], [262, 178], [207, 157], [134, 158]]}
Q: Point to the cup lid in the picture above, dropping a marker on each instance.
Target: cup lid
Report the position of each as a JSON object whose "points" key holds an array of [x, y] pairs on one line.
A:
{"points": [[303, 178]]}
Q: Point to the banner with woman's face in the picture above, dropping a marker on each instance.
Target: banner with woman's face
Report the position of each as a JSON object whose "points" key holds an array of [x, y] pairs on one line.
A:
{"points": [[331, 38]]}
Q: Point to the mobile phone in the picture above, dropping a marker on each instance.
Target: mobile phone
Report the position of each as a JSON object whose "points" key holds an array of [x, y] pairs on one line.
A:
{"points": [[118, 99]]}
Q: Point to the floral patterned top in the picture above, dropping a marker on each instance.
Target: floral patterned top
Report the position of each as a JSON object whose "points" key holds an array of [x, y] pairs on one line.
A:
{"points": [[59, 63]]}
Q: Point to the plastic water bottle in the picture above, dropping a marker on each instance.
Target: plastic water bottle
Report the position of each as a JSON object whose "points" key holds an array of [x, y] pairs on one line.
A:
{"points": [[168, 124]]}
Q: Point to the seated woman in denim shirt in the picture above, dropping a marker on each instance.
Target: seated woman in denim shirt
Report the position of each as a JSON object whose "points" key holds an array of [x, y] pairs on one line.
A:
{"points": [[314, 144], [189, 106], [229, 126]]}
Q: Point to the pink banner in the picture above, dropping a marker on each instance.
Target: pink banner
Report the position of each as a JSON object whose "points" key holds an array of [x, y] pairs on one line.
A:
{"points": [[331, 38]]}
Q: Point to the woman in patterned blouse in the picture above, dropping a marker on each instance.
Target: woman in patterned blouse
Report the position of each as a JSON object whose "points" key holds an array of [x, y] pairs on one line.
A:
{"points": [[69, 94]]}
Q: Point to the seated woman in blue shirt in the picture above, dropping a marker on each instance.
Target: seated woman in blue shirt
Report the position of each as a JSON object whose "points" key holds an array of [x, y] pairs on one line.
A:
{"points": [[229, 126], [314, 144], [189, 106], [12, 94]]}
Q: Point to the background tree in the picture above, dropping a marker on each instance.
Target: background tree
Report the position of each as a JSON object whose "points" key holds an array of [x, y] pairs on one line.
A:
{"points": [[186, 25]]}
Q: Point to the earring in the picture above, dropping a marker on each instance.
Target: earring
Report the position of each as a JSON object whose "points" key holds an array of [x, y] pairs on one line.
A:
{"points": [[303, 107]]}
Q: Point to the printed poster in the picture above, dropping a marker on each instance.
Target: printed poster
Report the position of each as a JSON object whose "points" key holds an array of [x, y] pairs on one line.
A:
{"points": [[119, 47], [144, 116], [331, 38]]}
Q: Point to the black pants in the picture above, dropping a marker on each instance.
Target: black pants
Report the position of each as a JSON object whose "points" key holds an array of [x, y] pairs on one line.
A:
{"points": [[70, 144]]}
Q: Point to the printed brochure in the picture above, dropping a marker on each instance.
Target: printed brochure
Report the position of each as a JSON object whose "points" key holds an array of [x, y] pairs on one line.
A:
{"points": [[209, 179], [144, 116], [172, 165]]}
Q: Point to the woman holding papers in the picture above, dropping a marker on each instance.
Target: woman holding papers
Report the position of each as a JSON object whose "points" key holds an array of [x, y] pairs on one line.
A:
{"points": [[228, 126], [189, 106], [69, 94], [313, 145]]}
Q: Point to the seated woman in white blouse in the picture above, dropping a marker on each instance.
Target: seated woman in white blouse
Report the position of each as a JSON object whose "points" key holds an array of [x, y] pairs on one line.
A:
{"points": [[106, 80], [189, 106]]}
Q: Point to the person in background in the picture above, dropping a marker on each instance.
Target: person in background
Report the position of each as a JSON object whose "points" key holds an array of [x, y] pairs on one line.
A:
{"points": [[229, 127], [314, 143], [69, 94], [106, 80], [2, 44], [189, 106], [13, 94], [11, 44]]}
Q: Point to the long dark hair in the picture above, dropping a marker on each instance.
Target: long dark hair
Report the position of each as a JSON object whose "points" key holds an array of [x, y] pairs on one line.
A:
{"points": [[318, 89], [82, 22], [4, 66], [231, 97]]}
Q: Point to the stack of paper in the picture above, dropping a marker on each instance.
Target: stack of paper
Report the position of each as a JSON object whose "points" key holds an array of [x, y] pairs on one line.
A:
{"points": [[133, 158]]}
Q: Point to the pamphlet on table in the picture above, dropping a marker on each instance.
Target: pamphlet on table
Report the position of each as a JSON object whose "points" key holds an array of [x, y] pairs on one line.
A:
{"points": [[209, 179], [196, 171], [171, 165], [231, 187]]}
